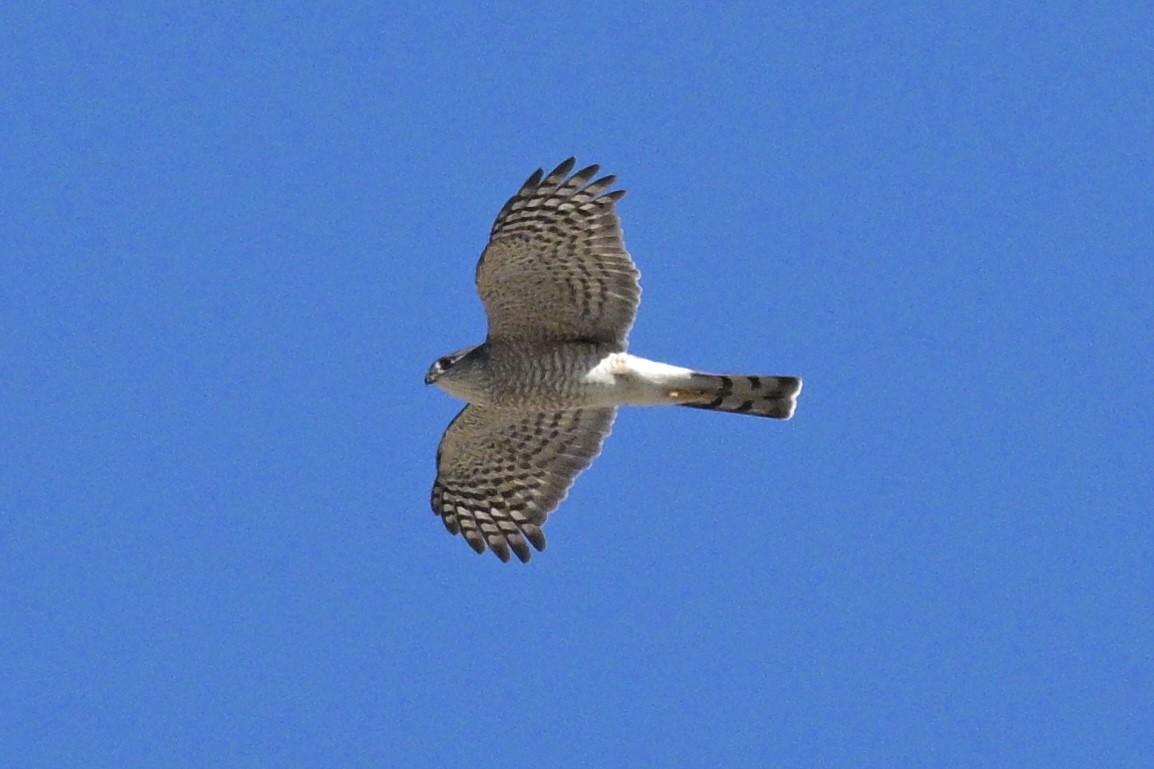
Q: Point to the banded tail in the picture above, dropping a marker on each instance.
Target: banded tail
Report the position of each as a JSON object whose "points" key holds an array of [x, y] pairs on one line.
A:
{"points": [[760, 396]]}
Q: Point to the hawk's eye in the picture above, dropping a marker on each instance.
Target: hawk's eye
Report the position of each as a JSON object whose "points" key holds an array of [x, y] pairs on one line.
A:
{"points": [[444, 363]]}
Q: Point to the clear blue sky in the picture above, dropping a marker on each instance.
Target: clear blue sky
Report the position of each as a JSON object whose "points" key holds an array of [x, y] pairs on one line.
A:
{"points": [[233, 238]]}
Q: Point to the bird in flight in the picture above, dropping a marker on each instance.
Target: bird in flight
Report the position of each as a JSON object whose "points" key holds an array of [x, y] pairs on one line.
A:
{"points": [[560, 292]]}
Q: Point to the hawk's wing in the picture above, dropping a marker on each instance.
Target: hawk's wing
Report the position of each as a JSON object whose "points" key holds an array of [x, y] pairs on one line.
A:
{"points": [[556, 268], [500, 473]]}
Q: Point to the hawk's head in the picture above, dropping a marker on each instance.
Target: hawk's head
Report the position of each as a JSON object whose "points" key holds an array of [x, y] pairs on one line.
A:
{"points": [[455, 365]]}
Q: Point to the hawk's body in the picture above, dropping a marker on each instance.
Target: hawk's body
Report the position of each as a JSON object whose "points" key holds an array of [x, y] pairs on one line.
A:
{"points": [[561, 293]]}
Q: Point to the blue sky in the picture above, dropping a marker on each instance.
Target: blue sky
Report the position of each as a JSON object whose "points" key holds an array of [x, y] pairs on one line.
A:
{"points": [[233, 239]]}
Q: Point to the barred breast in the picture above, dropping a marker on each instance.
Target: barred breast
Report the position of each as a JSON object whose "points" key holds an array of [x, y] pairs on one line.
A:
{"points": [[543, 376]]}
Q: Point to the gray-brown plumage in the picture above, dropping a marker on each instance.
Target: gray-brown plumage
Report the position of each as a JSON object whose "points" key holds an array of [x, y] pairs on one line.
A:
{"points": [[561, 293], [556, 268], [508, 470]]}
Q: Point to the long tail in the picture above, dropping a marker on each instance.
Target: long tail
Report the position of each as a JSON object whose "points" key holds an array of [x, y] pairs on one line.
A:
{"points": [[759, 396]]}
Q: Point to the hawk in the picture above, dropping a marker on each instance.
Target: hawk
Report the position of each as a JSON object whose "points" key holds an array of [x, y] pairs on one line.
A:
{"points": [[560, 292]]}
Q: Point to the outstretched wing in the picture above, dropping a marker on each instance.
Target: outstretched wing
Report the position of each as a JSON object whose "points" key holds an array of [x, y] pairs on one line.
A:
{"points": [[556, 268], [500, 473]]}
